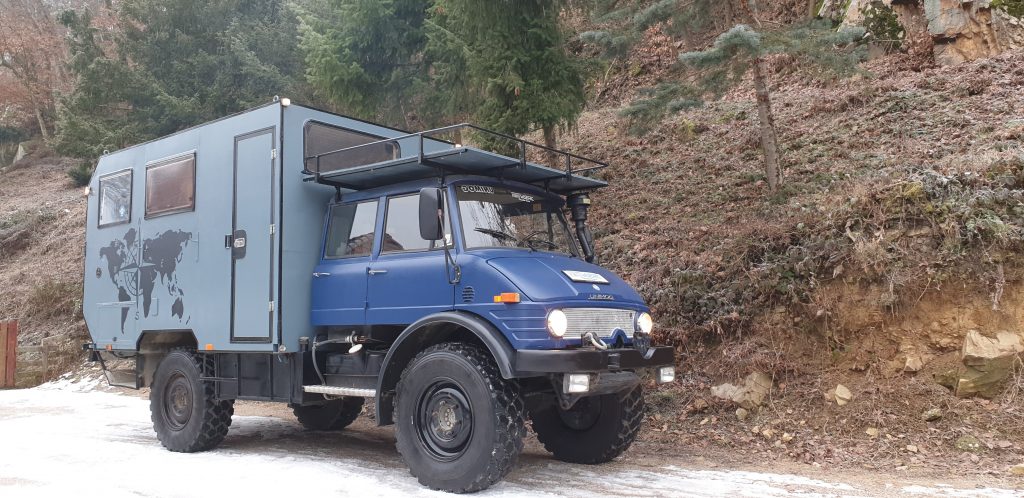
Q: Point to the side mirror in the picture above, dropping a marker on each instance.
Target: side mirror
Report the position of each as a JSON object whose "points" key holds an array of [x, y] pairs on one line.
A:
{"points": [[431, 214]]}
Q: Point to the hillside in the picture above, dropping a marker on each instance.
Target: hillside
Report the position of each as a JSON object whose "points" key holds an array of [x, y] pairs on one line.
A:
{"points": [[42, 237], [897, 231]]}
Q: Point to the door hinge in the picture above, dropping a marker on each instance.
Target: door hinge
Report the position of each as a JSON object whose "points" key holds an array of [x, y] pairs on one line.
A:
{"points": [[271, 306], [273, 229], [273, 153]]}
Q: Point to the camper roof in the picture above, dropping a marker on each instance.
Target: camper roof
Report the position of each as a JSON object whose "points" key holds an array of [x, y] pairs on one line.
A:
{"points": [[363, 167]]}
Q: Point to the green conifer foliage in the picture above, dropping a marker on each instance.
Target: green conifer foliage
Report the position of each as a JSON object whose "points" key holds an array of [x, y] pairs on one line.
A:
{"points": [[177, 63], [366, 56]]}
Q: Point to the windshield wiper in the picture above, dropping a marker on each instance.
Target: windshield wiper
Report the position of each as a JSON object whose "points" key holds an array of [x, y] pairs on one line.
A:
{"points": [[497, 234]]}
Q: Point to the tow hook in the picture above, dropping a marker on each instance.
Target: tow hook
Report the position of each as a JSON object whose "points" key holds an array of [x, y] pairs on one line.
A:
{"points": [[595, 341]]}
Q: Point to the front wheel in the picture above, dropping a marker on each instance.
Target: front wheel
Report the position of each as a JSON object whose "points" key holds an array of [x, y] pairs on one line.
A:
{"points": [[459, 424], [595, 430], [186, 415]]}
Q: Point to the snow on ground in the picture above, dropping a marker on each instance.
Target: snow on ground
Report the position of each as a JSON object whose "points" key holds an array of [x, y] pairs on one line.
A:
{"points": [[64, 439]]}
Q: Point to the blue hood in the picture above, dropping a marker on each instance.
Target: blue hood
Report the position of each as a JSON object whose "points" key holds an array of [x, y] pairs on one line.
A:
{"points": [[540, 276]]}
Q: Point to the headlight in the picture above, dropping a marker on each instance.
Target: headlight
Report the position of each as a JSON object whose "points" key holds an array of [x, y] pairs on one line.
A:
{"points": [[644, 323], [558, 323]]}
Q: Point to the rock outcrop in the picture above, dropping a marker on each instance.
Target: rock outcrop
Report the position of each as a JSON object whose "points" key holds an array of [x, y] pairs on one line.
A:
{"points": [[988, 361], [750, 395], [954, 30]]}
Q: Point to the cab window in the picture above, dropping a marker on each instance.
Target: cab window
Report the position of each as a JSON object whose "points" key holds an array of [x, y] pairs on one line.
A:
{"points": [[401, 227], [351, 229]]}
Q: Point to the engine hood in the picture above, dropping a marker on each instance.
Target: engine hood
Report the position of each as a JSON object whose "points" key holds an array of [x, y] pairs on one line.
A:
{"points": [[542, 277]]}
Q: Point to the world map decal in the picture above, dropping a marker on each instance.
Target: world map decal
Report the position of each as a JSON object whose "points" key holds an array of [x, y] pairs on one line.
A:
{"points": [[134, 273]]}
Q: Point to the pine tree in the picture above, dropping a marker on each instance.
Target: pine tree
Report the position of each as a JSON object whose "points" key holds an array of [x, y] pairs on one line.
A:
{"points": [[501, 64], [366, 56], [505, 63], [175, 64], [735, 54]]}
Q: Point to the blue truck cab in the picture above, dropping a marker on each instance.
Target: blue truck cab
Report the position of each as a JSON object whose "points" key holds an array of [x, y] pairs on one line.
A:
{"points": [[452, 285]]}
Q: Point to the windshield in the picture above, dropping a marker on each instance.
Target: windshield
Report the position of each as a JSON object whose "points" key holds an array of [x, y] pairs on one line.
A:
{"points": [[498, 217]]}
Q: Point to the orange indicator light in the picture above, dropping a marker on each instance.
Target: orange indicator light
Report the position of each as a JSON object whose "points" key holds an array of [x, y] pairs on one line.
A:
{"points": [[209, 347], [507, 298]]}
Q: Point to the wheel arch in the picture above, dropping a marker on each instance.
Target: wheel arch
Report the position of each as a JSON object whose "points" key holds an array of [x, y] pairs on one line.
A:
{"points": [[153, 345], [435, 329]]}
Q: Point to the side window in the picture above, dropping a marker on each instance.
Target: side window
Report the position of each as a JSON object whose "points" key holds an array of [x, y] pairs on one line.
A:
{"points": [[320, 139], [402, 230], [350, 232], [115, 198], [171, 186], [402, 225]]}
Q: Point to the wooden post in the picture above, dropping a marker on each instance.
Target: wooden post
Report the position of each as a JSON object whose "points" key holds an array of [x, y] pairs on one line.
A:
{"points": [[8, 352], [3, 354]]}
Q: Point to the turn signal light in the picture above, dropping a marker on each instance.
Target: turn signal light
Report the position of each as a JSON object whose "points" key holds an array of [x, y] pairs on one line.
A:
{"points": [[209, 347], [507, 298]]}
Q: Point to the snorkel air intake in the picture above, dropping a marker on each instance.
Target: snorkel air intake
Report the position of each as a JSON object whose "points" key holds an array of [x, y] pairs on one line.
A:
{"points": [[578, 204]]}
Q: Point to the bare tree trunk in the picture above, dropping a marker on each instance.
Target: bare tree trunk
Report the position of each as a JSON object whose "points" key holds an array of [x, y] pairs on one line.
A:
{"points": [[551, 142], [769, 140], [42, 124]]}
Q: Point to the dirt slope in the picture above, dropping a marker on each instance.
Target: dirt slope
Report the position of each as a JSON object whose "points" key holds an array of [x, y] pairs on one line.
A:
{"points": [[898, 230], [42, 237]]}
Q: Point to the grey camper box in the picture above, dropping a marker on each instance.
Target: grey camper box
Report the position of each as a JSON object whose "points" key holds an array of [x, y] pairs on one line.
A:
{"points": [[229, 196]]}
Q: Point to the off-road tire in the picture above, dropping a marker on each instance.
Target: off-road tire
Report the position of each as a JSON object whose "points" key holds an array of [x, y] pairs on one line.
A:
{"points": [[617, 425], [207, 421], [496, 417], [333, 415]]}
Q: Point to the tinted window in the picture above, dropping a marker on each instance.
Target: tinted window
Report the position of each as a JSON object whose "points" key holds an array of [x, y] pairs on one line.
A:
{"points": [[115, 198], [171, 186], [351, 230], [321, 138]]}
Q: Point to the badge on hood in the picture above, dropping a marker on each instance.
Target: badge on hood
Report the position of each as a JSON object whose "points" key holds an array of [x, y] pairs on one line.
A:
{"points": [[585, 277]]}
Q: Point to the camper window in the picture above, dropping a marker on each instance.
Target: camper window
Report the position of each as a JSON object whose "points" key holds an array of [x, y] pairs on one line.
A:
{"points": [[171, 186], [115, 198], [320, 139], [351, 229]]}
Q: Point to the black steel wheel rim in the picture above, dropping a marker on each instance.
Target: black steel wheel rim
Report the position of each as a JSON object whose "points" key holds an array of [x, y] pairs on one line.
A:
{"points": [[178, 401], [583, 415], [444, 421]]}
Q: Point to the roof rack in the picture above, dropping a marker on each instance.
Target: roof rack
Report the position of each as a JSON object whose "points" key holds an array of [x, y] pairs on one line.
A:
{"points": [[364, 166]]}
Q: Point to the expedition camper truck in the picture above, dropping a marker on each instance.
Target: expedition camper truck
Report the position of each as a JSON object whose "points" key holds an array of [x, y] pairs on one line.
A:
{"points": [[289, 254]]}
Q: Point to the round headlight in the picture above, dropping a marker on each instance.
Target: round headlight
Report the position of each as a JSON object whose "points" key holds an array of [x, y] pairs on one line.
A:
{"points": [[558, 323], [644, 323]]}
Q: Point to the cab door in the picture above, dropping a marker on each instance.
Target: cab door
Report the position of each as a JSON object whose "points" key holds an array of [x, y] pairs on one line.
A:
{"points": [[408, 280], [339, 281]]}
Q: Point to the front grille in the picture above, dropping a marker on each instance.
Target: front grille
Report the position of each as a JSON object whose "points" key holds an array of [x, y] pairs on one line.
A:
{"points": [[602, 321]]}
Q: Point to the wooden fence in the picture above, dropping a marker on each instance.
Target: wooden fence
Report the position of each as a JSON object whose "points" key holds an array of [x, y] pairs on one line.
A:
{"points": [[26, 366]]}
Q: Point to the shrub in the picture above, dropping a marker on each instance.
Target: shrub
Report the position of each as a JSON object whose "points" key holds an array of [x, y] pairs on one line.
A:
{"points": [[52, 298], [81, 175], [1013, 7], [883, 25]]}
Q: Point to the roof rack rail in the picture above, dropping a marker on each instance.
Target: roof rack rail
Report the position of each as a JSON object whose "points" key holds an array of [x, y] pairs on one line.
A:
{"points": [[367, 165]]}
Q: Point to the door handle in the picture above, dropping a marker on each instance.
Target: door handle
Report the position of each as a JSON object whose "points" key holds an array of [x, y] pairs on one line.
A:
{"points": [[320, 274], [376, 272]]}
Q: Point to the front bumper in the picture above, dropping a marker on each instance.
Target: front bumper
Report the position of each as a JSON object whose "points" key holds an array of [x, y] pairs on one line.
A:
{"points": [[530, 363]]}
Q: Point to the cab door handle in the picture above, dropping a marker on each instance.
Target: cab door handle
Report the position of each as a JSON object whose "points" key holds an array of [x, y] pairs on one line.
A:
{"points": [[376, 272], [320, 274]]}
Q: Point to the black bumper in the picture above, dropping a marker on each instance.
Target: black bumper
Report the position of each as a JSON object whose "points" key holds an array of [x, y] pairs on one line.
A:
{"points": [[530, 363]]}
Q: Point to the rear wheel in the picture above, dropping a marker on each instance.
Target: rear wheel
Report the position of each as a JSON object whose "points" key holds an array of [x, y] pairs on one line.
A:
{"points": [[595, 430], [459, 424], [186, 416], [333, 415]]}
